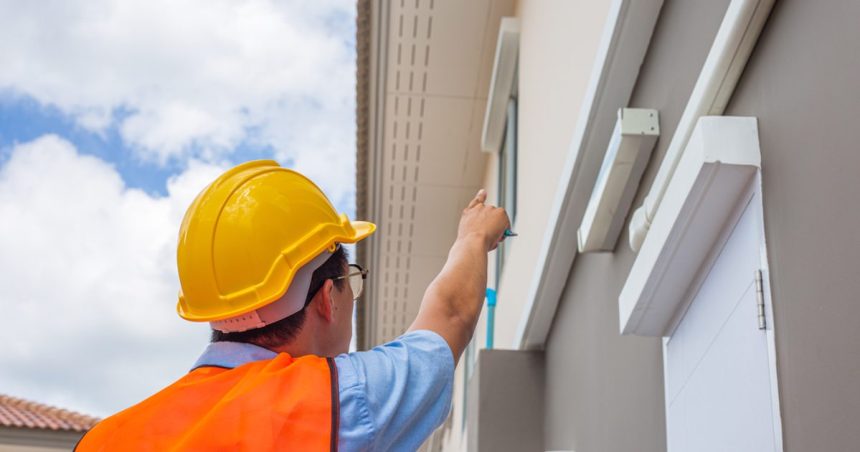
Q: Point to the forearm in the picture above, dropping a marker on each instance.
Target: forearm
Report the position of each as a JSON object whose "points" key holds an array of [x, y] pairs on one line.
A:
{"points": [[453, 301]]}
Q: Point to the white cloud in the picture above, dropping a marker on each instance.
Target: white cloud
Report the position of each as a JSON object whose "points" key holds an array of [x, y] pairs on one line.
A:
{"points": [[88, 283], [87, 270], [195, 77]]}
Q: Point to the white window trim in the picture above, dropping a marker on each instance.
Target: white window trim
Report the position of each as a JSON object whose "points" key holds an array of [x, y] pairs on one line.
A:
{"points": [[502, 84]]}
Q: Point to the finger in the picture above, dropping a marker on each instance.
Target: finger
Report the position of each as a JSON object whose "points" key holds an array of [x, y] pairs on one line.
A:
{"points": [[478, 199]]}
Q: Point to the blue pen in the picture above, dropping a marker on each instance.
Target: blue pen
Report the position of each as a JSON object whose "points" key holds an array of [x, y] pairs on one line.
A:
{"points": [[509, 233]]}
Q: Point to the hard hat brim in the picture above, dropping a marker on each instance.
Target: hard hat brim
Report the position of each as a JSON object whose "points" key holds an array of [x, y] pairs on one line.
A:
{"points": [[363, 229]]}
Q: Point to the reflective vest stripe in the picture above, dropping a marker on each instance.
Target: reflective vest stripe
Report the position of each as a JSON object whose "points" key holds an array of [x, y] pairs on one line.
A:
{"points": [[335, 403]]}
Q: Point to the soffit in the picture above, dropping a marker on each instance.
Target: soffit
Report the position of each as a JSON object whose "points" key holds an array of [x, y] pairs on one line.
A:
{"points": [[426, 158]]}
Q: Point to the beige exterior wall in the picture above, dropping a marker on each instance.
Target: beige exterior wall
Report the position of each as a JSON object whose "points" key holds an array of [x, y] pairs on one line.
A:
{"points": [[558, 44]]}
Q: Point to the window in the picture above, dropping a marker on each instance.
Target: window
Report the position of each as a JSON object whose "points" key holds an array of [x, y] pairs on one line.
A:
{"points": [[507, 188]]}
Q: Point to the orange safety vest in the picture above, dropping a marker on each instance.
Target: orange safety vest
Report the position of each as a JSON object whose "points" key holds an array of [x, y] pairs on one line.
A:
{"points": [[280, 403]]}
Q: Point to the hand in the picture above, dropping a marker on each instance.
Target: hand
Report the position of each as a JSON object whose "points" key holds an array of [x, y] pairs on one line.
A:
{"points": [[486, 222]]}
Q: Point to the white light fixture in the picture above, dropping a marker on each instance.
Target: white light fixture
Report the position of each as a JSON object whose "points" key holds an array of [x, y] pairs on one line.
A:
{"points": [[635, 134]]}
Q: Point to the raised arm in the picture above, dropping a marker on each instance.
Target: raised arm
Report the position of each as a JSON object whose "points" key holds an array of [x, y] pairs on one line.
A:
{"points": [[452, 302]]}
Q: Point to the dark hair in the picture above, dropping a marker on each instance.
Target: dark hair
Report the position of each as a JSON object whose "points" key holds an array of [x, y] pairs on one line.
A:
{"points": [[285, 330]]}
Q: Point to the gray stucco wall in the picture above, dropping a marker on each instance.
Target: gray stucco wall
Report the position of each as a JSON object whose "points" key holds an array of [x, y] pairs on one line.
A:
{"points": [[506, 402], [803, 84], [604, 392]]}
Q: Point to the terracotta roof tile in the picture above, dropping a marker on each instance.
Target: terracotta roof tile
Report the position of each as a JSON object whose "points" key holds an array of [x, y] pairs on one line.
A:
{"points": [[15, 412]]}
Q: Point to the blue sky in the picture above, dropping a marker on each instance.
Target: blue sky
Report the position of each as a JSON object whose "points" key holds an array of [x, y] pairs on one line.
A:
{"points": [[23, 119], [113, 116]]}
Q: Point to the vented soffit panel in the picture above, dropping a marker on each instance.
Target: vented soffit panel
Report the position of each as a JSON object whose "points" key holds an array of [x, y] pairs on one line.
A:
{"points": [[431, 65]]}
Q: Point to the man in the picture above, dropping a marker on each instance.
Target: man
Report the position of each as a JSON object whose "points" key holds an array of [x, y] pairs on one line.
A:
{"points": [[259, 258]]}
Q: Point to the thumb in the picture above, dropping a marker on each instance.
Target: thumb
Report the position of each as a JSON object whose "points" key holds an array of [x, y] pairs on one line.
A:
{"points": [[479, 198]]}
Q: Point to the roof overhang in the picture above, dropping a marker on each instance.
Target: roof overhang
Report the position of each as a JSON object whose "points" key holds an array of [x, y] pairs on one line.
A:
{"points": [[423, 76]]}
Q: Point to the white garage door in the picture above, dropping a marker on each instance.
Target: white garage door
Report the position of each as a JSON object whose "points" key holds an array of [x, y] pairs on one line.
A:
{"points": [[718, 376]]}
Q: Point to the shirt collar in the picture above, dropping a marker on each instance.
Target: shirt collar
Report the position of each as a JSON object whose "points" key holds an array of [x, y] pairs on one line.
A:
{"points": [[232, 354]]}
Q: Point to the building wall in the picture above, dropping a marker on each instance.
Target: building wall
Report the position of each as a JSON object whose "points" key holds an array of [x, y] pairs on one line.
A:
{"points": [[19, 448], [605, 391], [501, 419], [802, 85], [558, 44]]}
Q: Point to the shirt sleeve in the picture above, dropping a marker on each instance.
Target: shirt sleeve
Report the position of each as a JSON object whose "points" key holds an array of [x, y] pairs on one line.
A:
{"points": [[393, 396]]}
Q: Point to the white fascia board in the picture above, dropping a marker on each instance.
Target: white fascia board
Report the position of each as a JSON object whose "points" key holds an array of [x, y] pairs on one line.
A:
{"points": [[379, 34], [622, 48], [718, 165], [501, 84]]}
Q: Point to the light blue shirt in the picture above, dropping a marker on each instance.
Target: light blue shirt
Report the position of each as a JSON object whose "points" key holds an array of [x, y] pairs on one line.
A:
{"points": [[391, 397]]}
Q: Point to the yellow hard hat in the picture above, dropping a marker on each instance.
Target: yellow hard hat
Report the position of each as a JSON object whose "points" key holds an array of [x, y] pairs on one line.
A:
{"points": [[247, 234]]}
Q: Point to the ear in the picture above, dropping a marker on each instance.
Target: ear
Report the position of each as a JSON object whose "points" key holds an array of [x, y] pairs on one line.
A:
{"points": [[323, 302]]}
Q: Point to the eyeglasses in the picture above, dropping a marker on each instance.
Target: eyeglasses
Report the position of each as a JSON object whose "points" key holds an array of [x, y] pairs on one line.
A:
{"points": [[356, 277]]}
